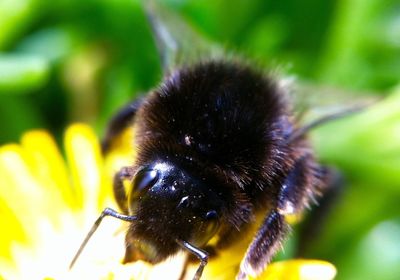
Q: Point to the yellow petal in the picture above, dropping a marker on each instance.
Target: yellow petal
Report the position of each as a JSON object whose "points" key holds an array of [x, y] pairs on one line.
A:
{"points": [[19, 187], [48, 165], [85, 162], [14, 233], [299, 270], [121, 154], [123, 143]]}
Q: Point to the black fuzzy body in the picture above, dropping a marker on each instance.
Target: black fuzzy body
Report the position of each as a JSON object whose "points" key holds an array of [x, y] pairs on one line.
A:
{"points": [[221, 119], [226, 128]]}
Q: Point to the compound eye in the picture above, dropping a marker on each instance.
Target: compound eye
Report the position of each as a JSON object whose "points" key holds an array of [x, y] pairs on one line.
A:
{"points": [[145, 179], [211, 215]]}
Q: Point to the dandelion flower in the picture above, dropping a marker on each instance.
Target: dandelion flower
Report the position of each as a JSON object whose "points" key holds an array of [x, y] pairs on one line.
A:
{"points": [[47, 205]]}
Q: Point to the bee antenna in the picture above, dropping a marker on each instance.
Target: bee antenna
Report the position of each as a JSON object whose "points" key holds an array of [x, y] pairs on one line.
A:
{"points": [[106, 212]]}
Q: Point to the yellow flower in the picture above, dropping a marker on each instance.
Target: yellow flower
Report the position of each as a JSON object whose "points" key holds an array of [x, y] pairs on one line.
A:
{"points": [[48, 205]]}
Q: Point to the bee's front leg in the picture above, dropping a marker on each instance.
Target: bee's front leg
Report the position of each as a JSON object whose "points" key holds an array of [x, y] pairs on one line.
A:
{"points": [[126, 173], [199, 253]]}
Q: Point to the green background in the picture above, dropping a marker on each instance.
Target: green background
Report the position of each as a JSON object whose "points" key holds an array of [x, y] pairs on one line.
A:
{"points": [[67, 60]]}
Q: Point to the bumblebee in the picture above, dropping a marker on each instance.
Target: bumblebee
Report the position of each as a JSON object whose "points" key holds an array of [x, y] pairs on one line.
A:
{"points": [[218, 144]]}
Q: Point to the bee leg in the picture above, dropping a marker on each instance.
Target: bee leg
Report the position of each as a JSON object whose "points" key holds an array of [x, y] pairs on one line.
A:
{"points": [[202, 255], [299, 186], [120, 121], [264, 246], [291, 199], [118, 187], [106, 212], [314, 222]]}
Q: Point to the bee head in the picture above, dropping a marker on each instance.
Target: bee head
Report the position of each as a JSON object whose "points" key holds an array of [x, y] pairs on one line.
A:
{"points": [[170, 204]]}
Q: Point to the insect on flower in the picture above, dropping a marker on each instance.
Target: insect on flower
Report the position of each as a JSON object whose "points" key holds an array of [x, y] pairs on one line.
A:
{"points": [[218, 144]]}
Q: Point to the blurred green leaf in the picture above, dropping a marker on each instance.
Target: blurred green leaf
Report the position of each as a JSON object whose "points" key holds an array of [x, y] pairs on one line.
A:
{"points": [[22, 73], [52, 44], [17, 115], [348, 58], [376, 255], [15, 16]]}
